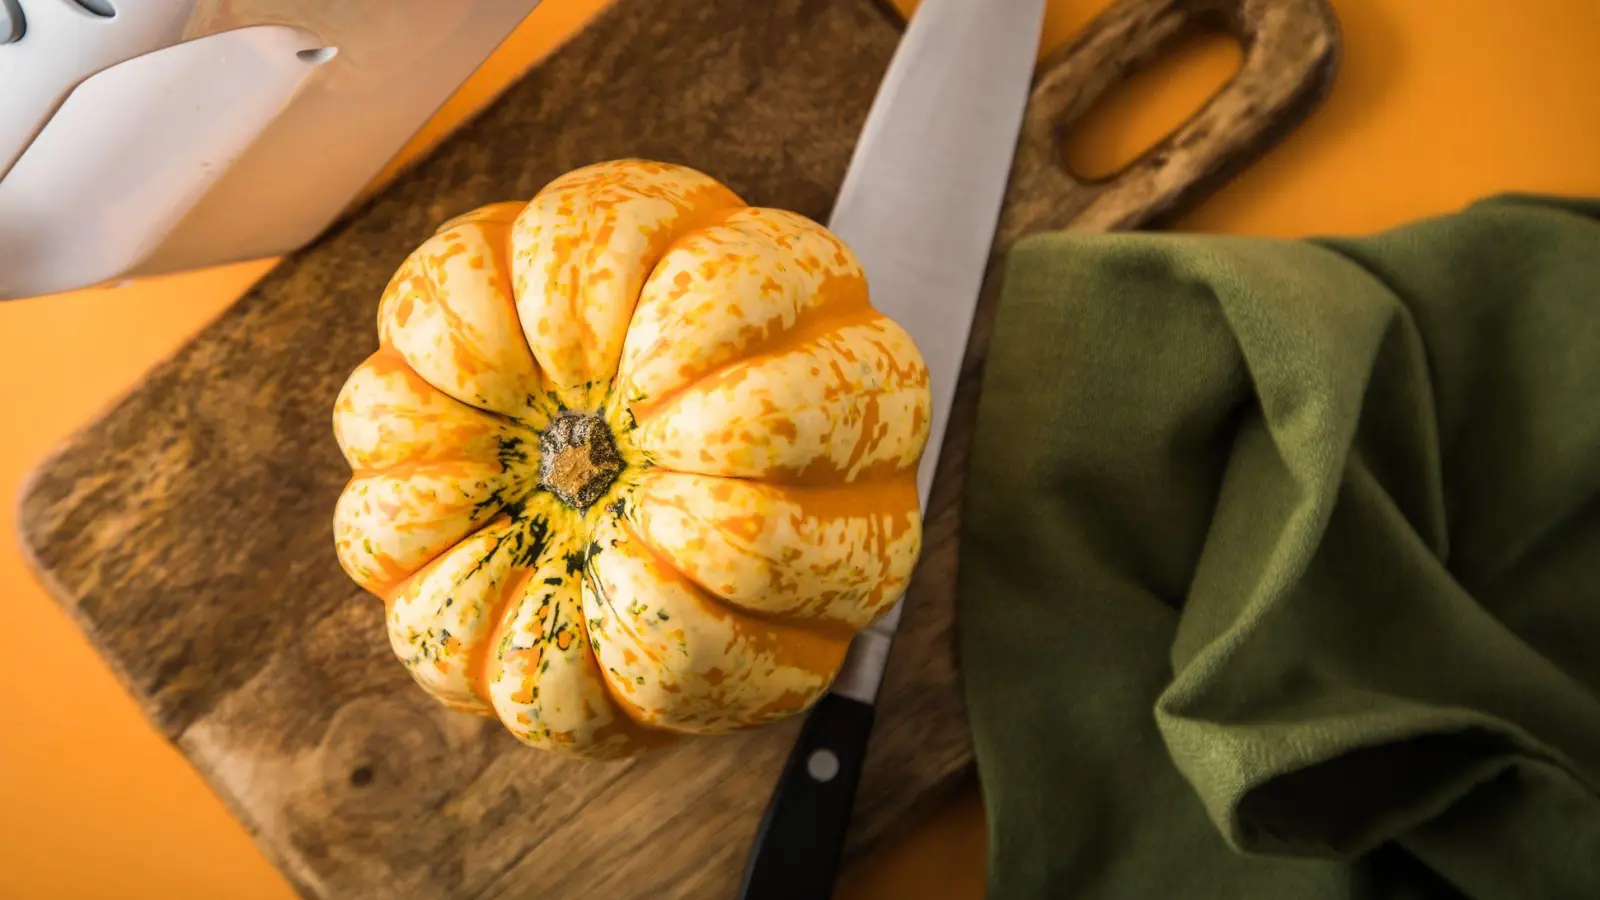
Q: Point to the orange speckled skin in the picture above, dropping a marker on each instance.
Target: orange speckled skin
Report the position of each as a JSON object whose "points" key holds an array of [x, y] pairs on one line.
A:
{"points": [[769, 421]]}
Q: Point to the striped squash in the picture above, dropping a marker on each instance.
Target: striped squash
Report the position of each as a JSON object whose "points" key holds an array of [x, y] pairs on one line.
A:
{"points": [[633, 460]]}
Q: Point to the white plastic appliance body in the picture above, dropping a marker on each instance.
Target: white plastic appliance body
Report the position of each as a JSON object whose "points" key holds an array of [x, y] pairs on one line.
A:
{"points": [[173, 134]]}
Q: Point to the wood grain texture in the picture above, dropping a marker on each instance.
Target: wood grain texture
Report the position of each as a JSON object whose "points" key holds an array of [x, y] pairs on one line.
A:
{"points": [[188, 530]]}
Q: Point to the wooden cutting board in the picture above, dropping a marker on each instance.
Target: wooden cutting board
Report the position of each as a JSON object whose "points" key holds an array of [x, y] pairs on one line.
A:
{"points": [[188, 529]]}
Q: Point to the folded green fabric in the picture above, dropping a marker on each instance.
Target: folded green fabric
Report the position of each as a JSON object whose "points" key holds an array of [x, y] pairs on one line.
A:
{"points": [[1280, 571]]}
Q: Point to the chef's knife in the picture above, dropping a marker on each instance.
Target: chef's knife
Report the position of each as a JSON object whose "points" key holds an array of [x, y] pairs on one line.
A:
{"points": [[919, 206]]}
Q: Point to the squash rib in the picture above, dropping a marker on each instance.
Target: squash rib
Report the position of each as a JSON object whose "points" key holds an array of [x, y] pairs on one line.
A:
{"points": [[811, 326], [820, 627]]}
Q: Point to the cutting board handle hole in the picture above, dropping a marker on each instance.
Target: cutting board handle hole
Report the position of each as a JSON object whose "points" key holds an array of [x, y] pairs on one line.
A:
{"points": [[1150, 103]]}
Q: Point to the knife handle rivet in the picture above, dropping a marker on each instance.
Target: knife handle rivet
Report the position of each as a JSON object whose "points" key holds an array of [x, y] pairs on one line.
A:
{"points": [[822, 765]]}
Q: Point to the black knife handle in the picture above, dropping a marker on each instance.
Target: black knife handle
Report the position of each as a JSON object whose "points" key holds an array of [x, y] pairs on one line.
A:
{"points": [[797, 849]]}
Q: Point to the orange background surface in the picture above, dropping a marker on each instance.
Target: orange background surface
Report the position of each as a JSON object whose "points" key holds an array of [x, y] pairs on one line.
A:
{"points": [[1437, 103]]}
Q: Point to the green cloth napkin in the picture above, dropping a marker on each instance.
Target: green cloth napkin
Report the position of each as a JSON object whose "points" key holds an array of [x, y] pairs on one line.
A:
{"points": [[1280, 572]]}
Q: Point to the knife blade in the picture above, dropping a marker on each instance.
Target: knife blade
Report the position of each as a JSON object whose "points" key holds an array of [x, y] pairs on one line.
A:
{"points": [[919, 205]]}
